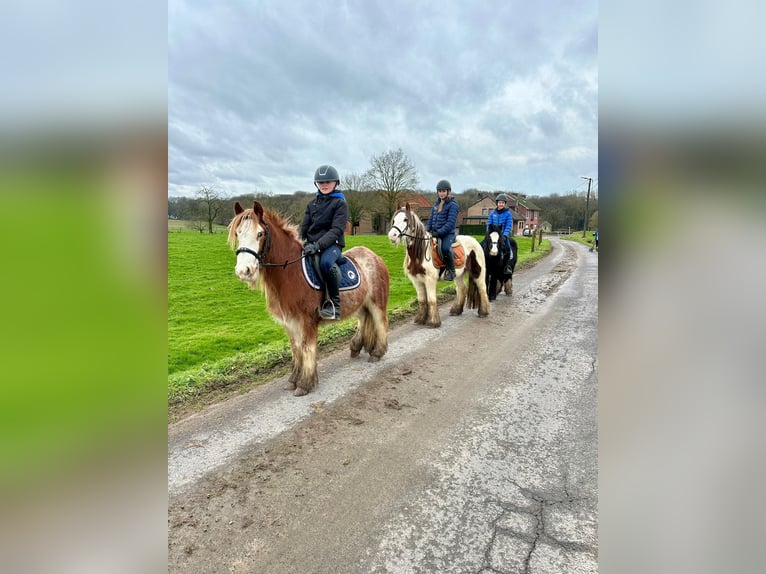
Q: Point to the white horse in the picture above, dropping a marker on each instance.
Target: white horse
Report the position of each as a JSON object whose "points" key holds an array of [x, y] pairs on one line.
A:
{"points": [[424, 274]]}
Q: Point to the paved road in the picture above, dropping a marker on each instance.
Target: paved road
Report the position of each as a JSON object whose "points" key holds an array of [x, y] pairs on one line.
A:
{"points": [[469, 448]]}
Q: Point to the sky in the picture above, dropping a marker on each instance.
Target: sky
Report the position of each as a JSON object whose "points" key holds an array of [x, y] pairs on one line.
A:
{"points": [[493, 95]]}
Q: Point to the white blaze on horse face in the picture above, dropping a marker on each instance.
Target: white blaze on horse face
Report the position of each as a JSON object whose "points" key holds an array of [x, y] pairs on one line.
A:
{"points": [[398, 225], [494, 240], [248, 235]]}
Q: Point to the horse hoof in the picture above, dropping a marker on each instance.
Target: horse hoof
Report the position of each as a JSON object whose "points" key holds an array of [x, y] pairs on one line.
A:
{"points": [[299, 392], [373, 359], [289, 387], [354, 354]]}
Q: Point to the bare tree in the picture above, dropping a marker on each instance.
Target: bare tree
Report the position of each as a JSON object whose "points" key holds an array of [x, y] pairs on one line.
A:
{"points": [[356, 203], [354, 187], [210, 201], [391, 175]]}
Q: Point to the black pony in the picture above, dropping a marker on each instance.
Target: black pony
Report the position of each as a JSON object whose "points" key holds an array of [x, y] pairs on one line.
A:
{"points": [[497, 279]]}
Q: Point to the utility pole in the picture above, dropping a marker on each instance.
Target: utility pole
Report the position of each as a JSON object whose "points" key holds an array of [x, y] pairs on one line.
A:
{"points": [[587, 203]]}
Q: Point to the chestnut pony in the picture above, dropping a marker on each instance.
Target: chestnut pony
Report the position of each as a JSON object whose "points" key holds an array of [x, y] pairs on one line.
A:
{"points": [[269, 252]]}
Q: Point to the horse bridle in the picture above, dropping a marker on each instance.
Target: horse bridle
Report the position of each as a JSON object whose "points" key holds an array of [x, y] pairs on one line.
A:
{"points": [[264, 248], [402, 231]]}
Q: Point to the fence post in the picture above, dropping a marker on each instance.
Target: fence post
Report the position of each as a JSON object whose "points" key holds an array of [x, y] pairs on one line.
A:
{"points": [[532, 237]]}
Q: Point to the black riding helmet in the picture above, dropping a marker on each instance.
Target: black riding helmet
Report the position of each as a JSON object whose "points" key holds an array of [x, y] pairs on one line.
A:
{"points": [[326, 173], [502, 197], [443, 184]]}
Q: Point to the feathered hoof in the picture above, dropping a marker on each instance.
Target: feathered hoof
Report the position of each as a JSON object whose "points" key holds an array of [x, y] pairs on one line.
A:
{"points": [[289, 386], [299, 392], [373, 359]]}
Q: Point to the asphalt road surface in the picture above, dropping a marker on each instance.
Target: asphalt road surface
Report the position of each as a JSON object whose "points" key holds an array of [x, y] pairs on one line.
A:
{"points": [[471, 448]]}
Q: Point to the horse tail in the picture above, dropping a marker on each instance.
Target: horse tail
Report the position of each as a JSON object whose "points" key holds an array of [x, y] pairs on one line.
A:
{"points": [[474, 267], [474, 270]]}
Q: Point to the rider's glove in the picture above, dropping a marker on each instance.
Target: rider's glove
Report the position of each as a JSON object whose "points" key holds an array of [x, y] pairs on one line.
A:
{"points": [[310, 248]]}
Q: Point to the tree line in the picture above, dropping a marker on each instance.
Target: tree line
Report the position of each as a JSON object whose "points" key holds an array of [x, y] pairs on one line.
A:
{"points": [[377, 191]]}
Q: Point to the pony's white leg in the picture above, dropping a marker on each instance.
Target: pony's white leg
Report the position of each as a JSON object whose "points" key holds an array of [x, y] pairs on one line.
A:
{"points": [[357, 341], [377, 331], [294, 333], [304, 375], [460, 292], [481, 286], [432, 317], [423, 312]]}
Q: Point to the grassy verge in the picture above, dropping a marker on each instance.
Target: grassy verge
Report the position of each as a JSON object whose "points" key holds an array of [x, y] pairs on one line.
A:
{"points": [[577, 236], [221, 339]]}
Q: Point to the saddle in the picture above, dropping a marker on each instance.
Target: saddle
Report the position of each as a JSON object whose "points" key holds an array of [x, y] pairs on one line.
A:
{"points": [[350, 278], [457, 251]]}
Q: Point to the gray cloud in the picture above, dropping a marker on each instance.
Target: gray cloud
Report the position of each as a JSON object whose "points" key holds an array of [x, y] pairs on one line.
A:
{"points": [[495, 95]]}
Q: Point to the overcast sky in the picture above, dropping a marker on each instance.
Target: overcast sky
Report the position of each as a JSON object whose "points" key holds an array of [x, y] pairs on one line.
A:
{"points": [[492, 95]]}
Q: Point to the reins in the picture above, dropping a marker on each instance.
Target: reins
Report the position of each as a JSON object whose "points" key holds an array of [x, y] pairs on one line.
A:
{"points": [[263, 263]]}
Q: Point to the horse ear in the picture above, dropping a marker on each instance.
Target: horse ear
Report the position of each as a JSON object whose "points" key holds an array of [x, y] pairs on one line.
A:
{"points": [[258, 209], [238, 209], [408, 206]]}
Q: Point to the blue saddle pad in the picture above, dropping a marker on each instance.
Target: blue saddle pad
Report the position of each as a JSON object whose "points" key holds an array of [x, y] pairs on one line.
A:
{"points": [[349, 275]]}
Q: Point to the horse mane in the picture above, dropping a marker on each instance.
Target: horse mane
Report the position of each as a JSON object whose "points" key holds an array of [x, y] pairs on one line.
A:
{"points": [[416, 249], [274, 221]]}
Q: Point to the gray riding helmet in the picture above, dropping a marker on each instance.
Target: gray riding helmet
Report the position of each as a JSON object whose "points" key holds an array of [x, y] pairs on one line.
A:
{"points": [[326, 173]]}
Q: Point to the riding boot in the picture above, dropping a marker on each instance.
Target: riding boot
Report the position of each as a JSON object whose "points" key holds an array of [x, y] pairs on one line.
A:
{"points": [[507, 267], [331, 306], [449, 261]]}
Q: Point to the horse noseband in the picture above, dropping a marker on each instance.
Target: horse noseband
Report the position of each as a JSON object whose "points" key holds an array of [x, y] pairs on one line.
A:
{"points": [[251, 252]]}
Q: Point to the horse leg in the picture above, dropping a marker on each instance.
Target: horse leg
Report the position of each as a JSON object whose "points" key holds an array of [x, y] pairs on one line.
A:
{"points": [[432, 318], [491, 285], [308, 376], [297, 357], [357, 341], [376, 333], [423, 312], [508, 285], [459, 304], [483, 298]]}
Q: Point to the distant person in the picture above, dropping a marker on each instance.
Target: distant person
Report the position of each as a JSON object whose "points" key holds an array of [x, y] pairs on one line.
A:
{"points": [[501, 215], [595, 238], [441, 224], [322, 230]]}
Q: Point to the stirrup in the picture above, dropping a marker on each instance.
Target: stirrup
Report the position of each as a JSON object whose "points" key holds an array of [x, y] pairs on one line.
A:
{"points": [[329, 310]]}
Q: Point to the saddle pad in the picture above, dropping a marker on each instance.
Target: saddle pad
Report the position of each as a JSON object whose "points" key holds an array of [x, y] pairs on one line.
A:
{"points": [[350, 277], [457, 251]]}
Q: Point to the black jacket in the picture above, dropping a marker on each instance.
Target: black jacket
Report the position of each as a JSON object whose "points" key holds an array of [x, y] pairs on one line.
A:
{"points": [[325, 220]]}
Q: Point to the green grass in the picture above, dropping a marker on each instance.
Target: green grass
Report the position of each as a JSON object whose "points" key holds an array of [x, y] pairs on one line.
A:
{"points": [[219, 331], [577, 236]]}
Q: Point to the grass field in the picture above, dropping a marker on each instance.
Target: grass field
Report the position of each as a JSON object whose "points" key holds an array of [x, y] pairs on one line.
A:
{"points": [[219, 331]]}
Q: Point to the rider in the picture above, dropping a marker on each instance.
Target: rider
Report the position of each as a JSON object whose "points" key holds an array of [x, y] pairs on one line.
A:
{"points": [[502, 216], [322, 230], [441, 224]]}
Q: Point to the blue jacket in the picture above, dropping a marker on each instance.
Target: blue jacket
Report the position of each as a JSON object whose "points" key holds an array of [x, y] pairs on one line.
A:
{"points": [[503, 218], [444, 223]]}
